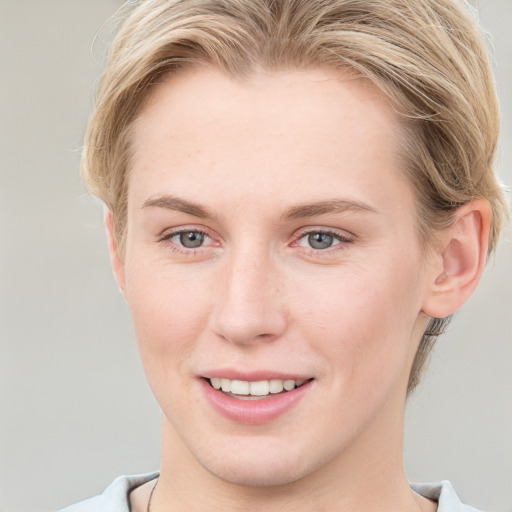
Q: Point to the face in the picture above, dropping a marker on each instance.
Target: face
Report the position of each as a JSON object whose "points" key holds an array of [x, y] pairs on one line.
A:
{"points": [[272, 251]]}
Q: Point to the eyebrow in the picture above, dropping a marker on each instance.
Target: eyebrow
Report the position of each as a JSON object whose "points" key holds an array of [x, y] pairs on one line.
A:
{"points": [[296, 212], [179, 205], [323, 207]]}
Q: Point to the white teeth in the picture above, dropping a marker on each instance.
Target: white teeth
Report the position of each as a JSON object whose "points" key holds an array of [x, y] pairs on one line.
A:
{"points": [[257, 388], [276, 386], [239, 387], [225, 384], [289, 385], [260, 388]]}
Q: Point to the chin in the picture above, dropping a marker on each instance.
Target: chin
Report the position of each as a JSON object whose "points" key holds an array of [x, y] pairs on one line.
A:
{"points": [[270, 468], [252, 475]]}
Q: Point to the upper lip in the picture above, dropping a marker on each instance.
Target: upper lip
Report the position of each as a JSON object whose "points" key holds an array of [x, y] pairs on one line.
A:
{"points": [[253, 375]]}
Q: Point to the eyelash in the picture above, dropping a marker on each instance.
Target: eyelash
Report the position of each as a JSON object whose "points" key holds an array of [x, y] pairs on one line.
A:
{"points": [[167, 236], [343, 241]]}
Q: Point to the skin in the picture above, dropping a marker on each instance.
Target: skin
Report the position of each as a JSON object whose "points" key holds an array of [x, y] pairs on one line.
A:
{"points": [[257, 296]]}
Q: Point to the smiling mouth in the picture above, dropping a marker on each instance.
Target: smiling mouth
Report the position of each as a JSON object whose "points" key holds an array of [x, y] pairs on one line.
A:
{"points": [[254, 390]]}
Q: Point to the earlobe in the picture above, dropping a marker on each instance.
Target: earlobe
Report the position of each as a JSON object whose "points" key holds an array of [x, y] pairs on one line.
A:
{"points": [[461, 260], [115, 259]]}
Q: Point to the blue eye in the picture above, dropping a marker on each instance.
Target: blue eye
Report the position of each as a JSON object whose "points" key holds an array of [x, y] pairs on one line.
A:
{"points": [[189, 239], [320, 240]]}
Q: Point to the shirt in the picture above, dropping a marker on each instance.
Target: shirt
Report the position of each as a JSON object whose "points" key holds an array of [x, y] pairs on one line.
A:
{"points": [[115, 498]]}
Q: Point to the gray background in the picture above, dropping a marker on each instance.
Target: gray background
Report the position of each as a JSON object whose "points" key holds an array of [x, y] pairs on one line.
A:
{"points": [[75, 408]]}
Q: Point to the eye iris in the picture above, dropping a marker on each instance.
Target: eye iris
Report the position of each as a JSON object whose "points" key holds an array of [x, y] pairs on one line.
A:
{"points": [[191, 239], [320, 240]]}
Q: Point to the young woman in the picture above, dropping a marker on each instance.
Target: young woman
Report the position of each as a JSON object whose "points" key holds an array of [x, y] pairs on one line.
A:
{"points": [[299, 194]]}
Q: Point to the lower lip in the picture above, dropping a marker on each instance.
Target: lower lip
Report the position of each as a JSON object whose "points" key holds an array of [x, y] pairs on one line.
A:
{"points": [[253, 412]]}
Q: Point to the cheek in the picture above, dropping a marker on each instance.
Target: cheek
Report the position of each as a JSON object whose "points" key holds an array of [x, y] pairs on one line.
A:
{"points": [[361, 320], [168, 311]]}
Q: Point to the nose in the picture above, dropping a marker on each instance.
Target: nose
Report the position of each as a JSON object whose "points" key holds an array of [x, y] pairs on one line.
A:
{"points": [[251, 305]]}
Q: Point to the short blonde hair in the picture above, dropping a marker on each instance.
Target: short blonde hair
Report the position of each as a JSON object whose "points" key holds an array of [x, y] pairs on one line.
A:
{"points": [[427, 56]]}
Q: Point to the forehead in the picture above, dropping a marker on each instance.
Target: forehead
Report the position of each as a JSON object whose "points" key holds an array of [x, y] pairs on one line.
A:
{"points": [[307, 132]]}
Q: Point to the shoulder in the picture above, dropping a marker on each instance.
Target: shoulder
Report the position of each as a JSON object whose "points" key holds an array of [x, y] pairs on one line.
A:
{"points": [[116, 495], [115, 498], [445, 495]]}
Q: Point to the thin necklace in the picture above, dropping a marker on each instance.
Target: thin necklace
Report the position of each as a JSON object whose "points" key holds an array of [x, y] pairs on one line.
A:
{"points": [[151, 495]]}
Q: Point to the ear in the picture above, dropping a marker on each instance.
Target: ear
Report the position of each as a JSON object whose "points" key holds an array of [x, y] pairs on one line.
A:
{"points": [[460, 261], [115, 259]]}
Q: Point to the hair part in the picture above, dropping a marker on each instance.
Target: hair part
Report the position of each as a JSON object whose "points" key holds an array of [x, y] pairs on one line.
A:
{"points": [[427, 57]]}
